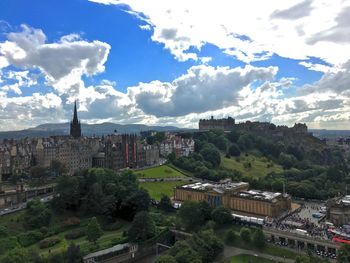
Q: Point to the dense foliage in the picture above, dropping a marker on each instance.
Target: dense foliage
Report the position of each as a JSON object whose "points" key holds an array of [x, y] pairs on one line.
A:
{"points": [[102, 192], [307, 162], [142, 227], [36, 215]]}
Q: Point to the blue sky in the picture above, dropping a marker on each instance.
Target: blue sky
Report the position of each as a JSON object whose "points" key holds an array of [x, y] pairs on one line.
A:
{"points": [[166, 63]]}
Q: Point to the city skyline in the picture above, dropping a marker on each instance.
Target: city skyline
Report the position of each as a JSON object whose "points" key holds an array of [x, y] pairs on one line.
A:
{"points": [[173, 63]]}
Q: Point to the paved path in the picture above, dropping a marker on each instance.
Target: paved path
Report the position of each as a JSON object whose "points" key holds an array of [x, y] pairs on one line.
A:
{"points": [[234, 251], [167, 179]]}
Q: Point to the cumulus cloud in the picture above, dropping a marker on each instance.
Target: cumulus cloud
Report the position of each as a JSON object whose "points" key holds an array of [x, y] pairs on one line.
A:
{"points": [[248, 30], [296, 11], [201, 89], [62, 63]]}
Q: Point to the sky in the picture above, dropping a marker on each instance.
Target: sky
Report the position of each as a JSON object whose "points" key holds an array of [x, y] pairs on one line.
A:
{"points": [[161, 62]]}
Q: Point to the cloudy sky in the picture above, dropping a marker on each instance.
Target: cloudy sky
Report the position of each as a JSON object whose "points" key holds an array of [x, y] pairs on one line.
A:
{"points": [[173, 62]]}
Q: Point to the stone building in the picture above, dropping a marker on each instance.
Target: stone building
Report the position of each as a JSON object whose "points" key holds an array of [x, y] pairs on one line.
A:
{"points": [[180, 146], [127, 151], [338, 210], [217, 124], [236, 197]]}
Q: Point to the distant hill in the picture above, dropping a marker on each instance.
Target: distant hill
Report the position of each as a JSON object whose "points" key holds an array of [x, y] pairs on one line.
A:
{"points": [[51, 129], [323, 133]]}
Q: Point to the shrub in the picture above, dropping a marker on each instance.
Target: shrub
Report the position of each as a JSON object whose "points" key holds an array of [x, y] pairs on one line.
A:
{"points": [[75, 233], [3, 232], [7, 244], [44, 230], [49, 242], [245, 234], [71, 221], [29, 238], [230, 237]]}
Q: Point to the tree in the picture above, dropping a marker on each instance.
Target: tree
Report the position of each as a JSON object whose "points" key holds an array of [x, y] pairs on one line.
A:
{"points": [[221, 215], [194, 214], [230, 237], [142, 227], [233, 136], [207, 245], [234, 150], [221, 142], [165, 259], [17, 255], [258, 238], [165, 203], [245, 142], [245, 234], [73, 254], [287, 160], [36, 215], [93, 230], [184, 253], [211, 155], [344, 254]]}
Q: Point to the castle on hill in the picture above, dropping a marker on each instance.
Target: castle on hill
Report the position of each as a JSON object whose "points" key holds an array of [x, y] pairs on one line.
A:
{"points": [[229, 124]]}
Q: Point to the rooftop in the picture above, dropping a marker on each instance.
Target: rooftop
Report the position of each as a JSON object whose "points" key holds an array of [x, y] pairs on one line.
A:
{"points": [[217, 187], [260, 195]]}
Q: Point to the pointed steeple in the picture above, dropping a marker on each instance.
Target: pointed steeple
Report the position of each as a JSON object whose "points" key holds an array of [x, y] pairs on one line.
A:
{"points": [[75, 128], [75, 116]]}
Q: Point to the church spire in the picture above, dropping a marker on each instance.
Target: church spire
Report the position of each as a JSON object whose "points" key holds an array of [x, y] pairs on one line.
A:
{"points": [[75, 128], [75, 116]]}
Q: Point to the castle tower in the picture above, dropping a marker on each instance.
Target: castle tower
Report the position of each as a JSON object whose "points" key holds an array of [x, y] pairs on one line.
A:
{"points": [[75, 128]]}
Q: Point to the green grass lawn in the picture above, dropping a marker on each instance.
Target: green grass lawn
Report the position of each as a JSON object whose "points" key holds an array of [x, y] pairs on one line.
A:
{"points": [[163, 171], [157, 189], [243, 258], [260, 166]]}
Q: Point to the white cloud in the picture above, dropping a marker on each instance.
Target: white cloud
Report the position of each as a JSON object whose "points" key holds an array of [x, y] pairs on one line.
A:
{"points": [[249, 30], [146, 27], [62, 63]]}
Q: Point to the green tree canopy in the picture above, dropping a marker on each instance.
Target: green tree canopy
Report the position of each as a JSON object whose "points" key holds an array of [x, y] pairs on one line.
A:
{"points": [[165, 203], [93, 230], [211, 155], [221, 215], [36, 215], [194, 214], [142, 227], [184, 253], [234, 150], [258, 238], [245, 234]]}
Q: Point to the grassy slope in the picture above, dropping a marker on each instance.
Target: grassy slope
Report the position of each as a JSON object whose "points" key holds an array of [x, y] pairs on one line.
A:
{"points": [[247, 259], [157, 189], [163, 171], [259, 165]]}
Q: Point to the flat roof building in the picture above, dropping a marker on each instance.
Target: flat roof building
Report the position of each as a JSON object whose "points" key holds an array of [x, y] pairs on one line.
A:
{"points": [[237, 197]]}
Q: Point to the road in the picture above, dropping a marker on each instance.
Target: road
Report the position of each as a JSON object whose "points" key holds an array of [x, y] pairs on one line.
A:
{"points": [[21, 206]]}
